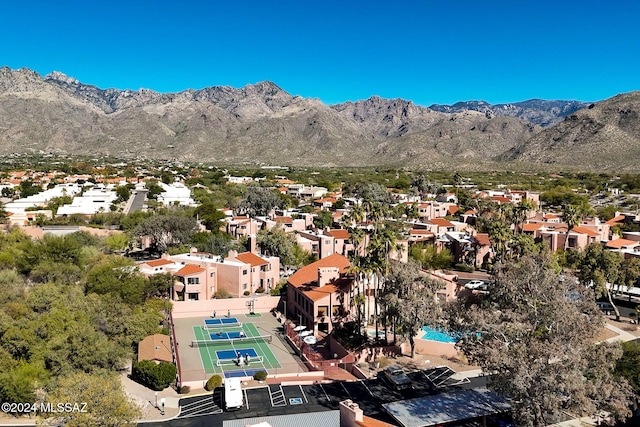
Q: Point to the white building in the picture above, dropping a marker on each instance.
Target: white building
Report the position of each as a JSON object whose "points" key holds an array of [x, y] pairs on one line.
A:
{"points": [[175, 194], [41, 199], [93, 200]]}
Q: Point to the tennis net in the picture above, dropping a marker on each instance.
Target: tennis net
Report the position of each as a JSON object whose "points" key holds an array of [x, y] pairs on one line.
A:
{"points": [[231, 362], [218, 326], [226, 341]]}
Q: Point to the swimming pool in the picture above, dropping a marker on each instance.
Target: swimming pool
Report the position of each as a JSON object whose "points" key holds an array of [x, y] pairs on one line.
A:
{"points": [[437, 335]]}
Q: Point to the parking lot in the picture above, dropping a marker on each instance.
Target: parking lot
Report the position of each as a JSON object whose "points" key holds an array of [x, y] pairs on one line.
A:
{"points": [[275, 399]]}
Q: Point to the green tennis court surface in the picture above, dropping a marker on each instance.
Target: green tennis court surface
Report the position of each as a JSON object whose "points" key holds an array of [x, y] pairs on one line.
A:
{"points": [[219, 355]]}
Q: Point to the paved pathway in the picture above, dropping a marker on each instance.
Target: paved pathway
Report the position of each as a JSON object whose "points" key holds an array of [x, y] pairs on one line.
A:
{"points": [[145, 398], [622, 334]]}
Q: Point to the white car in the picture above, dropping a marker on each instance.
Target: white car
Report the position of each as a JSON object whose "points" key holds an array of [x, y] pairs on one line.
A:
{"points": [[476, 285]]}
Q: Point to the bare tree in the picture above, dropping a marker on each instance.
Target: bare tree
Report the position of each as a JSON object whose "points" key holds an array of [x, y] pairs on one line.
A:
{"points": [[535, 334]]}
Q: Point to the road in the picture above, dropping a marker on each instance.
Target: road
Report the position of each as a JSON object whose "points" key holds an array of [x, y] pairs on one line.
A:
{"points": [[138, 201]]}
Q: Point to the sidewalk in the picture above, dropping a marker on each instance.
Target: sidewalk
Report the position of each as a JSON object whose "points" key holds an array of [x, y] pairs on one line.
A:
{"points": [[146, 400], [622, 335]]}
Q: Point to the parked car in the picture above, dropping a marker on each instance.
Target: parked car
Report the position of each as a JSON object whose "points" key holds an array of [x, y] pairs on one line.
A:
{"points": [[476, 285], [499, 421], [606, 307], [396, 378]]}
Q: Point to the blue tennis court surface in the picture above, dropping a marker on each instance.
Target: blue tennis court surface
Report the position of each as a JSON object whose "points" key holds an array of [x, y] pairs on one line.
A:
{"points": [[224, 335], [242, 373], [221, 321], [232, 354]]}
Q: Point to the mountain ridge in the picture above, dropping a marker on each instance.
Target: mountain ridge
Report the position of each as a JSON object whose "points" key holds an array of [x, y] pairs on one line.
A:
{"points": [[262, 123]]}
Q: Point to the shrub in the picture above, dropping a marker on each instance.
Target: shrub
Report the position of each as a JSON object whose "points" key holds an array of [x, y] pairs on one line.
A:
{"points": [[222, 293], [464, 267], [280, 289], [213, 383], [185, 389], [247, 293], [260, 290], [156, 376], [260, 376]]}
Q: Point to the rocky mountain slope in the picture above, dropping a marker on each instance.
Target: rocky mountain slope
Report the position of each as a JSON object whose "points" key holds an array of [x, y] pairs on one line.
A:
{"points": [[539, 111], [605, 136], [258, 123]]}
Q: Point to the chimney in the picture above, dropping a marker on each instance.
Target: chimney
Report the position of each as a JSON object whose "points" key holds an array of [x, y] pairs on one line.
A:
{"points": [[350, 414], [327, 274]]}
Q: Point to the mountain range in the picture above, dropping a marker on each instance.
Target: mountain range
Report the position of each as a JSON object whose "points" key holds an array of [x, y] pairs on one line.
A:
{"points": [[263, 124]]}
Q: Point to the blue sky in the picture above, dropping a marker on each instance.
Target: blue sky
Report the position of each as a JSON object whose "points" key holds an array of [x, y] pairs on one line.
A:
{"points": [[429, 51]]}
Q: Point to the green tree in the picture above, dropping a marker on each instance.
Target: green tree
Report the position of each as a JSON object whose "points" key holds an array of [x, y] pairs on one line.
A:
{"points": [[628, 366], [428, 256], [118, 277], [107, 404], [18, 384], [601, 268], [116, 243], [210, 216], [82, 348], [259, 201], [323, 219], [410, 299], [27, 188], [156, 376], [275, 242], [166, 231], [215, 243]]}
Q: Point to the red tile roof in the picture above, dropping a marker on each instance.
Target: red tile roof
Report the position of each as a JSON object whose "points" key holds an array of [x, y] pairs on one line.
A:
{"points": [[189, 270], [441, 222], [531, 226], [619, 243], [500, 199], [158, 262], [340, 233], [284, 219], [615, 220], [585, 230], [453, 209], [253, 259], [319, 293], [155, 347], [372, 422], [309, 273], [482, 239]]}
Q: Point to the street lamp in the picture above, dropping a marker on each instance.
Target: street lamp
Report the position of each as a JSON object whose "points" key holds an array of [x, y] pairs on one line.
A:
{"points": [[156, 393], [162, 404]]}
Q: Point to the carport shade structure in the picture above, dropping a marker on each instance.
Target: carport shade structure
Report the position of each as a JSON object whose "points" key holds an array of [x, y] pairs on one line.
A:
{"points": [[447, 407]]}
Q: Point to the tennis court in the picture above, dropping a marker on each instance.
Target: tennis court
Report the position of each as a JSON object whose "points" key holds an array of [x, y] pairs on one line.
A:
{"points": [[234, 350], [222, 322]]}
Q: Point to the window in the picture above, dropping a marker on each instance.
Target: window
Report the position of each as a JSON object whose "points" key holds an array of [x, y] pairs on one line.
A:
{"points": [[322, 310], [193, 296], [244, 272], [193, 281], [244, 286], [212, 274]]}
